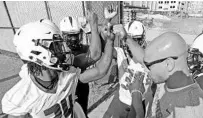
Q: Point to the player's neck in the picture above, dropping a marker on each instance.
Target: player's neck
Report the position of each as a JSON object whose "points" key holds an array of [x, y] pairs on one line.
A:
{"points": [[178, 80], [47, 75]]}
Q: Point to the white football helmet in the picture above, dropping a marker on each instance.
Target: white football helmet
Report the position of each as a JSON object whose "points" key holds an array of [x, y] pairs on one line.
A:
{"points": [[84, 25], [136, 30], [71, 32], [70, 25], [195, 56], [40, 42]]}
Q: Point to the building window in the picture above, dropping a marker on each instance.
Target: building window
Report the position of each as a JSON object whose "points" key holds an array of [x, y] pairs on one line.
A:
{"points": [[174, 1], [182, 3], [167, 1], [171, 1], [161, 2], [160, 7], [173, 6]]}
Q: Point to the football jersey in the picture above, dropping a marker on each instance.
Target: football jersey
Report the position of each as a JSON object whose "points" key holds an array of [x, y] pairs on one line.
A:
{"points": [[25, 97], [128, 72], [157, 96]]}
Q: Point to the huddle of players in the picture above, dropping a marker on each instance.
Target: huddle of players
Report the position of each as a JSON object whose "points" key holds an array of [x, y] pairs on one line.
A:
{"points": [[54, 77]]}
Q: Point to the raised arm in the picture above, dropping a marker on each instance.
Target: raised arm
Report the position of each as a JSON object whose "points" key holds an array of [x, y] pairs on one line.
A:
{"points": [[104, 63], [93, 52], [95, 42], [109, 13], [136, 50], [136, 88]]}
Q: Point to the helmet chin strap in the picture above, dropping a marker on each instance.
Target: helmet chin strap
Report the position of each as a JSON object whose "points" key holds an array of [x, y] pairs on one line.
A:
{"points": [[195, 62]]}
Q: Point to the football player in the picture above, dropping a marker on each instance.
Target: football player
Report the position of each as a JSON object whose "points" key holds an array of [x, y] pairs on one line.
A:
{"points": [[85, 55], [129, 66], [48, 77], [195, 59]]}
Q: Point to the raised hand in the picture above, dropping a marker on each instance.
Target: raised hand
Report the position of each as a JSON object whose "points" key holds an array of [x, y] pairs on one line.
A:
{"points": [[92, 18], [119, 29], [107, 32], [137, 83], [110, 12]]}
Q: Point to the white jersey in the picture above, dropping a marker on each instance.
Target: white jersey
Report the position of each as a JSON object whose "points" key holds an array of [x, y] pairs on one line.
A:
{"points": [[157, 96], [131, 70], [25, 97]]}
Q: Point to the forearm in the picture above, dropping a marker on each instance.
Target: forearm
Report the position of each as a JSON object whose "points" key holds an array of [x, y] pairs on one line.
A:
{"points": [[105, 62], [95, 45], [137, 104], [101, 67]]}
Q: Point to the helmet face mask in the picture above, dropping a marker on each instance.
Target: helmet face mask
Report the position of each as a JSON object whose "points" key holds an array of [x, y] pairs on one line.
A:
{"points": [[195, 61], [71, 32], [138, 39], [72, 40], [60, 51]]}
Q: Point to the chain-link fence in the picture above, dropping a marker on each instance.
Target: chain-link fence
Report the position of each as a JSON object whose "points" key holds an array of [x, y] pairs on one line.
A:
{"points": [[17, 13]]}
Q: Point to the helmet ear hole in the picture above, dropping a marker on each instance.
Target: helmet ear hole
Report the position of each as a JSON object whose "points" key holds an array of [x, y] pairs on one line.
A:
{"points": [[31, 57]]}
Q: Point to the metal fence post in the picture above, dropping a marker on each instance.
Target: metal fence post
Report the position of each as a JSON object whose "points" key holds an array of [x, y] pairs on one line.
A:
{"points": [[9, 16], [48, 10]]}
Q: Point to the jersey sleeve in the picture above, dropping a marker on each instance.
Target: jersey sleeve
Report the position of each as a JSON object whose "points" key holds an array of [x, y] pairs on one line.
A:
{"points": [[83, 60]]}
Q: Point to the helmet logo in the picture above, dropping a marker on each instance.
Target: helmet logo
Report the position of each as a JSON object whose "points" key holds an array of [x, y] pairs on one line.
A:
{"points": [[53, 60], [19, 32], [130, 25], [71, 21], [36, 41], [48, 33]]}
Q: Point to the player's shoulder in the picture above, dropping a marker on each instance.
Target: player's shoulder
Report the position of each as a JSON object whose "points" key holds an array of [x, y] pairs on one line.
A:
{"points": [[67, 75], [199, 80], [22, 89], [195, 94], [118, 48]]}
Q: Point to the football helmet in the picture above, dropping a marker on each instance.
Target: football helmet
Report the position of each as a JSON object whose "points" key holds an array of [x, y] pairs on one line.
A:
{"points": [[84, 25], [71, 31], [40, 42], [136, 30], [195, 56]]}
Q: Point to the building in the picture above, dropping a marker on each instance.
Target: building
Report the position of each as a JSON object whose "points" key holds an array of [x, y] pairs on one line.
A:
{"points": [[195, 8], [167, 6], [151, 5], [186, 8], [130, 9]]}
